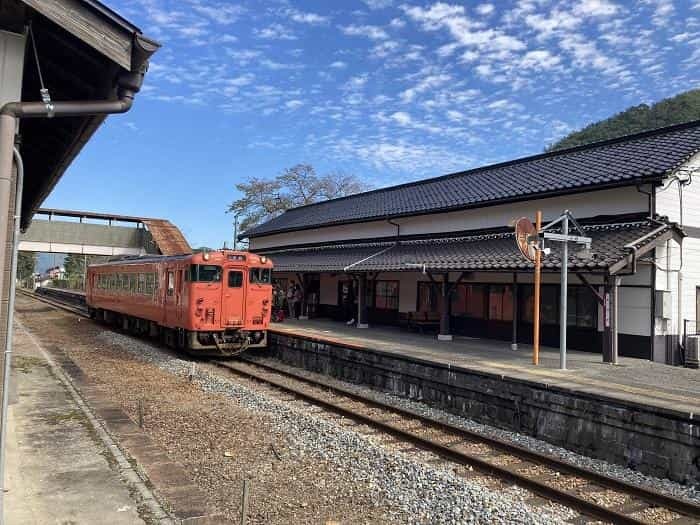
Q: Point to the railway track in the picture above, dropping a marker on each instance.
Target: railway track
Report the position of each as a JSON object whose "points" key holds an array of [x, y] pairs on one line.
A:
{"points": [[548, 477]]}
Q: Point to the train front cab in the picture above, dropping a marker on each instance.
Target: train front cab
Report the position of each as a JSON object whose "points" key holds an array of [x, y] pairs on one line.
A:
{"points": [[230, 302]]}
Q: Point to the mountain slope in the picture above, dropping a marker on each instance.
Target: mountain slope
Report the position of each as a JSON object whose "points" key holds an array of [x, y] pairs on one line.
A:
{"points": [[675, 110]]}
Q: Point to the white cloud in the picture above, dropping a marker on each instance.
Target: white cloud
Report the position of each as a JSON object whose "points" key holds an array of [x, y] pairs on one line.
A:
{"points": [[217, 12], [425, 84], [338, 64], [401, 118], [397, 23], [455, 116], [277, 66], [306, 18], [596, 8], [485, 9], [293, 104], [505, 105], [367, 31], [275, 32], [243, 56], [539, 59], [378, 4], [464, 31], [356, 82], [385, 48], [663, 11]]}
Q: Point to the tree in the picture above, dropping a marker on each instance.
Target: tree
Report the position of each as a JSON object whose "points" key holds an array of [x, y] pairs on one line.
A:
{"points": [[26, 264], [265, 198], [76, 265], [684, 107]]}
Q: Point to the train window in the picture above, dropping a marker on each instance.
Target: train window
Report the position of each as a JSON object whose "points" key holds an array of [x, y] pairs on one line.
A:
{"points": [[205, 273], [235, 279], [260, 275], [171, 282]]}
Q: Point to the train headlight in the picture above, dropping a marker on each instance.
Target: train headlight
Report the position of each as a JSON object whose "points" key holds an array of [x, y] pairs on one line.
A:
{"points": [[205, 256], [263, 259]]}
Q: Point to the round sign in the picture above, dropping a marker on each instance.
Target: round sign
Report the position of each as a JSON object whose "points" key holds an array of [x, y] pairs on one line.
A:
{"points": [[524, 231]]}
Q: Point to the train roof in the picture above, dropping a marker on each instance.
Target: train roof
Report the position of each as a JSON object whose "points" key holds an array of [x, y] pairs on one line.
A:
{"points": [[146, 259]]}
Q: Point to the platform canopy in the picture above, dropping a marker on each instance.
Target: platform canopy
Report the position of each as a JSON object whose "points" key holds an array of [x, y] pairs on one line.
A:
{"points": [[614, 247]]}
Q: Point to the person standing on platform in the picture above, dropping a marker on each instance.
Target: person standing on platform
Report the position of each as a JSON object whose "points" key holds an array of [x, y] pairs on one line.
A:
{"points": [[291, 307], [350, 305], [298, 298]]}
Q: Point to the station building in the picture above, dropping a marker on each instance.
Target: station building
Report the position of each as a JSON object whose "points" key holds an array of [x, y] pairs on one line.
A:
{"points": [[440, 254]]}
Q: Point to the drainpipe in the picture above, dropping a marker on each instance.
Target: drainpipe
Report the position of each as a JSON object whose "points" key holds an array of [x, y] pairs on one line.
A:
{"points": [[128, 84], [7, 362]]}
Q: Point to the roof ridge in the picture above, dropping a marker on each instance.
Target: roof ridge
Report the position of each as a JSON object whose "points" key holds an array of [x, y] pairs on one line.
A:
{"points": [[521, 160]]}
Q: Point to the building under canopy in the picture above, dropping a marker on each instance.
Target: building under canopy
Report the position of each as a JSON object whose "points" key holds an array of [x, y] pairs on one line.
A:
{"points": [[440, 253]]}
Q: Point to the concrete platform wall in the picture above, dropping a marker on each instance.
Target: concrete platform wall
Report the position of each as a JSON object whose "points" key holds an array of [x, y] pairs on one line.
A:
{"points": [[658, 442]]}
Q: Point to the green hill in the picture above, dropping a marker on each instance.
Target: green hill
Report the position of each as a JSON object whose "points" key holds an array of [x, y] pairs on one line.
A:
{"points": [[675, 110]]}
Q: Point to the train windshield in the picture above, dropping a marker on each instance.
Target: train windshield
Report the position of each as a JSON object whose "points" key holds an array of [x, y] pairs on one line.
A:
{"points": [[260, 275], [205, 273]]}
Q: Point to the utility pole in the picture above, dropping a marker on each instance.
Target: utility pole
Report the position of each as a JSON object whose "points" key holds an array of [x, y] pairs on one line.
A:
{"points": [[235, 230], [564, 219]]}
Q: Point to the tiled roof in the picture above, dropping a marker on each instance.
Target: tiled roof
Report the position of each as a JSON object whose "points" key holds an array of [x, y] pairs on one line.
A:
{"points": [[623, 161], [478, 252]]}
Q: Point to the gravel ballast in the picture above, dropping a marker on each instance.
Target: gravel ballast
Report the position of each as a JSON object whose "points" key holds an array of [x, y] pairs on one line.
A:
{"points": [[418, 493]]}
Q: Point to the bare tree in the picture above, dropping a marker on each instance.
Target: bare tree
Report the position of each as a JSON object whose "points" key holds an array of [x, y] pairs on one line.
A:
{"points": [[263, 199]]}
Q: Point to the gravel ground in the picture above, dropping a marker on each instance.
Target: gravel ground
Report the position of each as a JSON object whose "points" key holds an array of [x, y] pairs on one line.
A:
{"points": [[305, 468], [421, 494], [663, 485]]}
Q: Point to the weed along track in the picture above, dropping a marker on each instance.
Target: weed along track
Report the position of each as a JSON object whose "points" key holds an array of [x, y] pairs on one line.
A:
{"points": [[543, 483]]}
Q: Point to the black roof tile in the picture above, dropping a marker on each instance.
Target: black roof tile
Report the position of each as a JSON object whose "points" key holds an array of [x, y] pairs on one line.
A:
{"points": [[627, 160], [495, 251]]}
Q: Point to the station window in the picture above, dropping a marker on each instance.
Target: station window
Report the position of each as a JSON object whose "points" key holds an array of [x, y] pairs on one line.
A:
{"points": [[386, 295], [500, 302], [235, 279], [470, 300], [260, 275], [204, 273], [428, 297]]}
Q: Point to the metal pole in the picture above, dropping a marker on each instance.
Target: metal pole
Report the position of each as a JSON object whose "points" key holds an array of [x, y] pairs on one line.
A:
{"points": [[514, 340], [536, 306], [235, 231], [563, 292], [244, 501], [614, 317], [7, 364]]}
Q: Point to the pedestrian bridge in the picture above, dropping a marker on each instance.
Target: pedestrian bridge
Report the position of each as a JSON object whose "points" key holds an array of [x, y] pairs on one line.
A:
{"points": [[68, 231]]}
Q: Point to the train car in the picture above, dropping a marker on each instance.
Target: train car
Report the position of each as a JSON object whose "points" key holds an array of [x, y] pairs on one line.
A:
{"points": [[211, 303]]}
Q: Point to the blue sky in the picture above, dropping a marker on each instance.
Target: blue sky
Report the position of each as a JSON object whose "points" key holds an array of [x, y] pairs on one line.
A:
{"points": [[388, 90]]}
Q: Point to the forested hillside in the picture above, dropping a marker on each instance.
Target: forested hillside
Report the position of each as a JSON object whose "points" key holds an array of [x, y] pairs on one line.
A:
{"points": [[675, 110]]}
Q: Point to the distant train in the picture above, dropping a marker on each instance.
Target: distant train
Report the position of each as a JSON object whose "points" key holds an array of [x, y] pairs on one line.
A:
{"points": [[211, 303]]}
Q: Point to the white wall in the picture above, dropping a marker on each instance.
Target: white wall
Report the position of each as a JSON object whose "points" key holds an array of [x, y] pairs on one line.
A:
{"points": [[668, 203], [589, 204]]}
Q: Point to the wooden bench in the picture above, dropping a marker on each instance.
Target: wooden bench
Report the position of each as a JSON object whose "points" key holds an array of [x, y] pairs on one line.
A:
{"points": [[422, 321]]}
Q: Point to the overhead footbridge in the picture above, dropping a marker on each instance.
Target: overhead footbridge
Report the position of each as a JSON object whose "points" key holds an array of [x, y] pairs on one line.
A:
{"points": [[90, 233]]}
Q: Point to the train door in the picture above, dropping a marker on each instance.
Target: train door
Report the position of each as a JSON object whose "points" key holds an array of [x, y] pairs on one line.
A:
{"points": [[233, 297], [171, 296]]}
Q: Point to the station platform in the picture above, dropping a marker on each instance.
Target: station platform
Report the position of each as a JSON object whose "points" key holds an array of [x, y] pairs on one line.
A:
{"points": [[58, 470], [638, 413], [633, 380]]}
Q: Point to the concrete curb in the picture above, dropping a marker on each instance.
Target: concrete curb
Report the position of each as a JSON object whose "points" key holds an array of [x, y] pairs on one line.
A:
{"points": [[129, 474]]}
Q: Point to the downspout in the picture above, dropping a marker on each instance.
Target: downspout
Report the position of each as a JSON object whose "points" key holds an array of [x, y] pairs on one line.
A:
{"points": [[128, 84], [7, 362]]}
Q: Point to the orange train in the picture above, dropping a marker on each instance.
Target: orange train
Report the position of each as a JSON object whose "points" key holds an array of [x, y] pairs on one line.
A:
{"points": [[211, 303]]}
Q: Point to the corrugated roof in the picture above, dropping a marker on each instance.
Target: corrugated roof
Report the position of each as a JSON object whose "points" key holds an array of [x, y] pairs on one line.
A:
{"points": [[496, 251], [624, 161], [167, 237]]}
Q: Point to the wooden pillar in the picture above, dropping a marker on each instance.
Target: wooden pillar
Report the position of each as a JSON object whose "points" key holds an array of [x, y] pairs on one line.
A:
{"points": [[514, 340], [444, 334], [362, 301]]}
